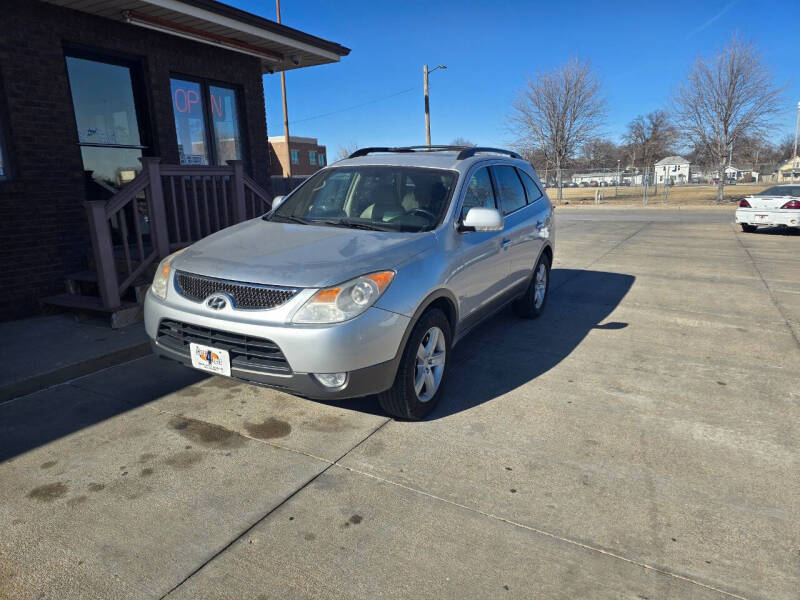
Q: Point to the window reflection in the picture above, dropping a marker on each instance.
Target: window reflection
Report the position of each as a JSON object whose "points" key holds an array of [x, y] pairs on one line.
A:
{"points": [[225, 116], [189, 123], [102, 95]]}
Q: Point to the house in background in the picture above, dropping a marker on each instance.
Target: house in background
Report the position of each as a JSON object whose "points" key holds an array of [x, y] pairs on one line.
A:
{"points": [[672, 170], [128, 129], [732, 174], [789, 172], [304, 154]]}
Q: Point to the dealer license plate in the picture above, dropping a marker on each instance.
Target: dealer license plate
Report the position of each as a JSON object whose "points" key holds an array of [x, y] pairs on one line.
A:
{"points": [[210, 359]]}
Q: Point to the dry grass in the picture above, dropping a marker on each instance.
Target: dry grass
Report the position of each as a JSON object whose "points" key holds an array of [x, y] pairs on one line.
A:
{"points": [[678, 195]]}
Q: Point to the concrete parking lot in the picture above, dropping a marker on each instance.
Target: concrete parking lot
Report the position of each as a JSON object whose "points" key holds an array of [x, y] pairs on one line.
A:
{"points": [[642, 440]]}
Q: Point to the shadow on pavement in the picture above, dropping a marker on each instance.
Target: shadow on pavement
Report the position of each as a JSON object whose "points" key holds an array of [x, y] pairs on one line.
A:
{"points": [[776, 231], [506, 352], [42, 417]]}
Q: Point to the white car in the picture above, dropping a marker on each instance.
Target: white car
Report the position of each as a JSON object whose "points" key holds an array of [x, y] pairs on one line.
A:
{"points": [[774, 207]]}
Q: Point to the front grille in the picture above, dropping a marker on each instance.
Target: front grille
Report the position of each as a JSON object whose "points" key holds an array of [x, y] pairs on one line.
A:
{"points": [[252, 296], [247, 352]]}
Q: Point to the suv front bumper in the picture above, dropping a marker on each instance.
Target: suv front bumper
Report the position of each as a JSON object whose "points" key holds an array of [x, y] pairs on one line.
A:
{"points": [[367, 348]]}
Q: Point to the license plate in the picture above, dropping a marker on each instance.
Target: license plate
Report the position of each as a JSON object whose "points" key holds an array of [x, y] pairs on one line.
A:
{"points": [[762, 217], [210, 359]]}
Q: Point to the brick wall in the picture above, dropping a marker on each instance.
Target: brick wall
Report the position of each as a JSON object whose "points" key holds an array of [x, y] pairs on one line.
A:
{"points": [[304, 168], [43, 228]]}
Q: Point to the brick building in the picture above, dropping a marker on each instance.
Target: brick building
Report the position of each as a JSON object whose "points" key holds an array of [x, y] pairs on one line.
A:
{"points": [[305, 154], [87, 88]]}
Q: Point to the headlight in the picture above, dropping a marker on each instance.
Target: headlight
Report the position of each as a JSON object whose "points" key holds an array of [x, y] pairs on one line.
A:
{"points": [[159, 286], [346, 301]]}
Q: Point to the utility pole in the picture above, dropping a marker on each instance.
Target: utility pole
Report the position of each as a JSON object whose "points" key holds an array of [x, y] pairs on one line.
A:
{"points": [[425, 73], [428, 107], [616, 183], [796, 130], [285, 112]]}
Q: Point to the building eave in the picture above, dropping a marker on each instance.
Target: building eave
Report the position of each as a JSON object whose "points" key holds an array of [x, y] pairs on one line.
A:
{"points": [[280, 48]]}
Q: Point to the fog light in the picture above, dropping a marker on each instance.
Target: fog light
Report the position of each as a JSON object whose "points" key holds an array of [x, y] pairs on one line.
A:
{"points": [[331, 380]]}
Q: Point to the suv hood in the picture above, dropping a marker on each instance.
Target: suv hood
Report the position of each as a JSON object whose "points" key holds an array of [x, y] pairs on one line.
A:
{"points": [[293, 255]]}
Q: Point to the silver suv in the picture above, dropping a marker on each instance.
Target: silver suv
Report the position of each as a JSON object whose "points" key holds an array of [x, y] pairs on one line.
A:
{"points": [[362, 279]]}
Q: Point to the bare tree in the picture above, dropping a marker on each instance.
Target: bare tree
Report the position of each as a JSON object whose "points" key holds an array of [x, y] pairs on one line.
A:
{"points": [[346, 150], [558, 112], [460, 141], [650, 137], [726, 97]]}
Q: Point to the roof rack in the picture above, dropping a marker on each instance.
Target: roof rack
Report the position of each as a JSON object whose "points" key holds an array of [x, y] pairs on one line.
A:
{"points": [[473, 150], [464, 151]]}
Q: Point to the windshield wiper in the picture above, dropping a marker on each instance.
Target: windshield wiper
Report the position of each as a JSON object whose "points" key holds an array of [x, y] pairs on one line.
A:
{"points": [[287, 218], [358, 225]]}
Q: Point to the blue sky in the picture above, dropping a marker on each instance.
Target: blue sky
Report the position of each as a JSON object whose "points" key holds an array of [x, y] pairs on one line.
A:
{"points": [[641, 51]]}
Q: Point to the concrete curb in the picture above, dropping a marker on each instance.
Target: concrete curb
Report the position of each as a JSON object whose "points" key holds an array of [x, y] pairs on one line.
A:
{"points": [[41, 381]]}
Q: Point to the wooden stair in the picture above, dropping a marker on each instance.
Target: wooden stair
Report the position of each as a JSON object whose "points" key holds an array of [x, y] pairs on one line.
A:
{"points": [[84, 306]]}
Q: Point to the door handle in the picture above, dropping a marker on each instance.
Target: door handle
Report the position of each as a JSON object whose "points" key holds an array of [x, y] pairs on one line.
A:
{"points": [[505, 244]]}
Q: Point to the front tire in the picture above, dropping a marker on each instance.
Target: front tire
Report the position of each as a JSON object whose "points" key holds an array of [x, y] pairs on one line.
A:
{"points": [[532, 304], [749, 228], [420, 377]]}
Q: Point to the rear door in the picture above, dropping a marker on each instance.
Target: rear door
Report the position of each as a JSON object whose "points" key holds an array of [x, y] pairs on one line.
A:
{"points": [[520, 242]]}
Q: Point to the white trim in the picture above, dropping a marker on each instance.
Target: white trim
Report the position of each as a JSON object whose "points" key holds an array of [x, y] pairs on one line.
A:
{"points": [[218, 19], [198, 38]]}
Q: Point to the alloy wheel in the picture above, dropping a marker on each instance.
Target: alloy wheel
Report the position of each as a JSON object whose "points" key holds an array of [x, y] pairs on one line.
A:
{"points": [[429, 366]]}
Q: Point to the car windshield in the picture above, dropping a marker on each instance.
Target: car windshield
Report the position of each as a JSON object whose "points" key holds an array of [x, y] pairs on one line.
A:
{"points": [[383, 198], [781, 190]]}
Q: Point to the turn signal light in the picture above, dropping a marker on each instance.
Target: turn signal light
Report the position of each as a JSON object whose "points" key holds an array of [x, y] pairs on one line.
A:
{"points": [[792, 204], [744, 203]]}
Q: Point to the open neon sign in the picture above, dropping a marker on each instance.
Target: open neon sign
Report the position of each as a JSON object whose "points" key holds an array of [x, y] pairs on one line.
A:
{"points": [[185, 100]]}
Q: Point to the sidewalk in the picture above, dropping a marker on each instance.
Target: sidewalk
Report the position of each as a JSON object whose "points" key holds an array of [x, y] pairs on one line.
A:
{"points": [[44, 351]]}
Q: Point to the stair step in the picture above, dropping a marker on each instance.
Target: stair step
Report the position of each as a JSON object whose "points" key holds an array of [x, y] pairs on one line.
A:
{"points": [[83, 276], [125, 314]]}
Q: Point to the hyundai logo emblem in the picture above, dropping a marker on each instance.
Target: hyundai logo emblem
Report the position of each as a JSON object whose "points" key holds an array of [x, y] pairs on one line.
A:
{"points": [[216, 302]]}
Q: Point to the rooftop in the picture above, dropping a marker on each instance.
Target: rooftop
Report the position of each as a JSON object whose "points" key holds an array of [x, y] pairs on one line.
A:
{"points": [[279, 47], [672, 160]]}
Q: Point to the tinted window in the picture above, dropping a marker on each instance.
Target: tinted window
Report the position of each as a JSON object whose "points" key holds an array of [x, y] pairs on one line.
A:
{"points": [[106, 117], [479, 192], [781, 190], [509, 187], [531, 189]]}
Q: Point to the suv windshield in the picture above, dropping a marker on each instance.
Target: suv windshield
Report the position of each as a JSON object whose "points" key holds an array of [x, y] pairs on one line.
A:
{"points": [[384, 198], [781, 190]]}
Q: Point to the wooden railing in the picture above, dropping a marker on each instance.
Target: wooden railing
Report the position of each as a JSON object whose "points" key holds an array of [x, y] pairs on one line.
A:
{"points": [[164, 208]]}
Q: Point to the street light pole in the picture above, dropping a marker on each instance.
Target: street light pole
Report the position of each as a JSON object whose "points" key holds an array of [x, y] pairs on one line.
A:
{"points": [[425, 73], [285, 112]]}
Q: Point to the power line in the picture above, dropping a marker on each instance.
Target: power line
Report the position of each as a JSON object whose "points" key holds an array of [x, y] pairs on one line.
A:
{"points": [[341, 110]]}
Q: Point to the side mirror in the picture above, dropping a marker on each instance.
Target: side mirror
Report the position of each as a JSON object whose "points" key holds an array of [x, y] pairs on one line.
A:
{"points": [[277, 201], [483, 219]]}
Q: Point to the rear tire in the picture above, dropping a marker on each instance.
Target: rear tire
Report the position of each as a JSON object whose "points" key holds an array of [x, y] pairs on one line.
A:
{"points": [[423, 367], [749, 228], [532, 303]]}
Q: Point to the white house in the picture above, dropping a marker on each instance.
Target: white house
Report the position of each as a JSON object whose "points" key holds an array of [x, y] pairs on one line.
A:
{"points": [[672, 169], [731, 174]]}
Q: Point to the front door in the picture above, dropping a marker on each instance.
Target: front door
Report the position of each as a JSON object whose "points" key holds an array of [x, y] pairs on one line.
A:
{"points": [[480, 269]]}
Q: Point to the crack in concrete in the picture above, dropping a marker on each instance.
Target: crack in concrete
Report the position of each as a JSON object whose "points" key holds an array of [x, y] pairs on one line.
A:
{"points": [[777, 304], [273, 509], [551, 535]]}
